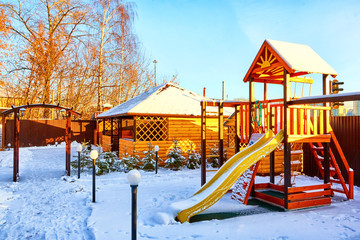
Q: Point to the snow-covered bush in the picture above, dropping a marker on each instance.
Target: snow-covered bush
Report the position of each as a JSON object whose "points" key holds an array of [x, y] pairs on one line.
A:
{"points": [[131, 161], [194, 158], [148, 162], [107, 162], [175, 160]]}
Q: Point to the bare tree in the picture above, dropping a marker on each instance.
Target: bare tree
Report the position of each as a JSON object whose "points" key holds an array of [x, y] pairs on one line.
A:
{"points": [[44, 31]]}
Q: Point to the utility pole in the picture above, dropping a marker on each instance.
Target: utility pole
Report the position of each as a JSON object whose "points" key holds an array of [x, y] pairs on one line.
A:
{"points": [[155, 62]]}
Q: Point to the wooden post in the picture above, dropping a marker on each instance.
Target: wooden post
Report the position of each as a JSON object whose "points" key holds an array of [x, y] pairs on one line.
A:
{"points": [[351, 183], [203, 142], [223, 90], [81, 127], [96, 132], [68, 141], [134, 129], [272, 166], [111, 134], [326, 164], [16, 145], [272, 154], [326, 113], [287, 147], [265, 91], [104, 126], [3, 122], [120, 129], [237, 129], [221, 133], [251, 100]]}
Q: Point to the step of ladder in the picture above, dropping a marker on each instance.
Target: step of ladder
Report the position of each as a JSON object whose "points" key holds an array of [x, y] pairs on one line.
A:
{"points": [[317, 148], [335, 181]]}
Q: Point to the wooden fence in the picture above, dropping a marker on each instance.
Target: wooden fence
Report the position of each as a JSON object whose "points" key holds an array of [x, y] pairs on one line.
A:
{"points": [[44, 132], [347, 131]]}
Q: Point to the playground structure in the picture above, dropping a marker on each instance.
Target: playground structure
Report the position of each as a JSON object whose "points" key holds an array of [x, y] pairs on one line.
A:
{"points": [[16, 140], [286, 63], [226, 177]]}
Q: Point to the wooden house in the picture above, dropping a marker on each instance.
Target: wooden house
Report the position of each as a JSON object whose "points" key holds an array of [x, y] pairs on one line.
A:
{"points": [[158, 116]]}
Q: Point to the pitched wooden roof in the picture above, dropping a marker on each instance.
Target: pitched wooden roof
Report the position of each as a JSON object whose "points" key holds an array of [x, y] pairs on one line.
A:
{"points": [[297, 59], [165, 100]]}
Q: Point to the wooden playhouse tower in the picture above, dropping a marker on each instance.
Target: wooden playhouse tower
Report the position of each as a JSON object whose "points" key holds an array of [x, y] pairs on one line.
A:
{"points": [[287, 64]]}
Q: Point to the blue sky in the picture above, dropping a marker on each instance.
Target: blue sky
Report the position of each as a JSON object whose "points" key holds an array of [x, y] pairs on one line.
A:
{"points": [[206, 41]]}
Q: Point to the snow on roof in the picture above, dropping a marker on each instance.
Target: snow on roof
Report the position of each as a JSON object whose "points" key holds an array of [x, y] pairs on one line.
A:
{"points": [[301, 57], [166, 99]]}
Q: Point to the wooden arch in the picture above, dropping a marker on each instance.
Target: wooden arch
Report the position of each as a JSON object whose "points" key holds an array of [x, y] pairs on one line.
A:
{"points": [[16, 143]]}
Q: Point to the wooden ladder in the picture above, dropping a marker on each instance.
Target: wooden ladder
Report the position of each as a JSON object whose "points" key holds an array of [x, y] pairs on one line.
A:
{"points": [[335, 173]]}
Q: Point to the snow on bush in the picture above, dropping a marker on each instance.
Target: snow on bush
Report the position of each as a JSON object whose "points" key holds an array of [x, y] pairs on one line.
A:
{"points": [[106, 162], [194, 158], [131, 161], [148, 162], [175, 160]]}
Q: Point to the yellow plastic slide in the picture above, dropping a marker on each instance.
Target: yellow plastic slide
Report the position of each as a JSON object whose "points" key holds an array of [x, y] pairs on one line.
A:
{"points": [[226, 177]]}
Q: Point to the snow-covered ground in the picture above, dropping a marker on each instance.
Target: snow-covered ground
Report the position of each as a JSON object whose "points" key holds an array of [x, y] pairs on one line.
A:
{"points": [[44, 204]]}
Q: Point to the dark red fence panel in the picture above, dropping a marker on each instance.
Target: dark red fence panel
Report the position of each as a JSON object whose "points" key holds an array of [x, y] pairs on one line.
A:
{"points": [[44, 132], [347, 132]]}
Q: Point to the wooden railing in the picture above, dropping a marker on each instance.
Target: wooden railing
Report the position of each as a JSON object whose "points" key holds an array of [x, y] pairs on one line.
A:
{"points": [[303, 120]]}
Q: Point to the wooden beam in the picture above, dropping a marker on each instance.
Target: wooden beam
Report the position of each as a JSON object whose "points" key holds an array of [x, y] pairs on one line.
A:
{"points": [[16, 144], [309, 138], [203, 143], [287, 148], [302, 80], [237, 128], [268, 80], [111, 134], [68, 142], [326, 163], [308, 188], [3, 122], [341, 97], [298, 74], [39, 105], [272, 167], [251, 100], [221, 133]]}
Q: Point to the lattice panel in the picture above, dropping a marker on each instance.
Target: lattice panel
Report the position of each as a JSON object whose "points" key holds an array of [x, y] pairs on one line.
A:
{"points": [[152, 128], [107, 127], [231, 136], [107, 131]]}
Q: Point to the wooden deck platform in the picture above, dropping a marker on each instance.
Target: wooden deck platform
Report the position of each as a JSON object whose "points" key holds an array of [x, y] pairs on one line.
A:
{"points": [[299, 197]]}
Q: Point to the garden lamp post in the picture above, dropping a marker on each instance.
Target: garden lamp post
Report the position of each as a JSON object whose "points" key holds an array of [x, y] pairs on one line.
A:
{"points": [[133, 178], [93, 155], [156, 148], [79, 149]]}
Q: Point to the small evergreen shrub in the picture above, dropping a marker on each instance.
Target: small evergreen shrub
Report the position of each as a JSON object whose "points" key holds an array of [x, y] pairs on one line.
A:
{"points": [[107, 162], [175, 160], [131, 161], [148, 162], [194, 158]]}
